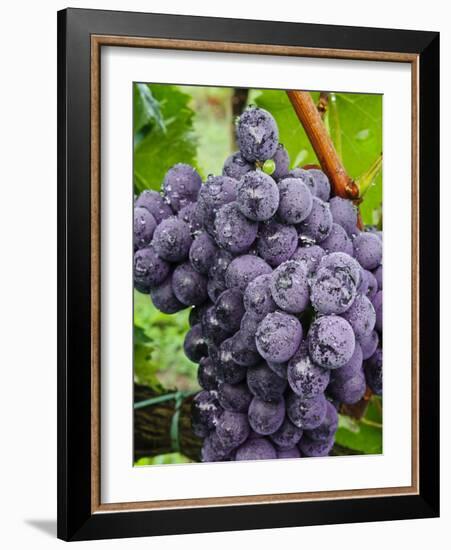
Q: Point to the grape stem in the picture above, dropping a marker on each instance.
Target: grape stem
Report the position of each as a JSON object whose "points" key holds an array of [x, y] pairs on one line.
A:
{"points": [[310, 118]]}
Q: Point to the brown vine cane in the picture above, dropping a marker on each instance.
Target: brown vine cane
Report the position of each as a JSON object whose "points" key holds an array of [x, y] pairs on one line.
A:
{"points": [[322, 144]]}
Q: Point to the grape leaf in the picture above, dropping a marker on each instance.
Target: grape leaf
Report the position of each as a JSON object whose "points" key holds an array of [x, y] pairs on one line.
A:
{"points": [[146, 109], [363, 436], [159, 146]]}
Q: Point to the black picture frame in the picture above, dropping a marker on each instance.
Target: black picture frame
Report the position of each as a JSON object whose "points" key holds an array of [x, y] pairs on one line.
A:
{"points": [[76, 520]]}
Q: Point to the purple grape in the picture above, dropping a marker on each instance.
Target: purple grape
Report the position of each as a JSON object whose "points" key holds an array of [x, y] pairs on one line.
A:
{"points": [[278, 337], [332, 292], [373, 372], [195, 314], [378, 275], [296, 201], [242, 353], [368, 250], [191, 216], [338, 241], [232, 428], [318, 224], [144, 225], [235, 166], [304, 377], [326, 430], [190, 287], [277, 242], [216, 282], [227, 369], [368, 284], [206, 374], [256, 449], [215, 288], [244, 269], [264, 383], [306, 413], [352, 368], [309, 257], [377, 303], [369, 344], [257, 196], [181, 185], [290, 287], [202, 253], [331, 341], [345, 214], [148, 269], [205, 411], [278, 368], [287, 436], [216, 192], [322, 185], [257, 134], [172, 240], [348, 391], [234, 232], [248, 329], [361, 316], [235, 398], [212, 330], [311, 448], [305, 176], [266, 417], [220, 264], [164, 299], [154, 203], [282, 162], [230, 309], [213, 450], [340, 262], [195, 346], [288, 453], [258, 300]]}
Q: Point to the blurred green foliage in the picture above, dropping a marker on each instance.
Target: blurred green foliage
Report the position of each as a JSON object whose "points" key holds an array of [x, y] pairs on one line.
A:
{"points": [[159, 357], [195, 125]]}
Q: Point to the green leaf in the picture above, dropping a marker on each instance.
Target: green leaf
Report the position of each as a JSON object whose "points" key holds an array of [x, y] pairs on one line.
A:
{"points": [[157, 149], [146, 109], [363, 436]]}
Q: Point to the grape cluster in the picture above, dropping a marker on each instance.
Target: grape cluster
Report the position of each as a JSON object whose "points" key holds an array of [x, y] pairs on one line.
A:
{"points": [[285, 291]]}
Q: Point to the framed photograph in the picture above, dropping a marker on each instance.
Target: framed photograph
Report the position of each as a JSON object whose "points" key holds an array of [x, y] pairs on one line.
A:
{"points": [[248, 274]]}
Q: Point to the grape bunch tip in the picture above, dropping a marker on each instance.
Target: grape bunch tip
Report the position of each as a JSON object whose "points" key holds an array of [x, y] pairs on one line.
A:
{"points": [[285, 294]]}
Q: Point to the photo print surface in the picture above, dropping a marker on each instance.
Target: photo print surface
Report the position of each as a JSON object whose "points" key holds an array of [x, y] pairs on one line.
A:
{"points": [[257, 274]]}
